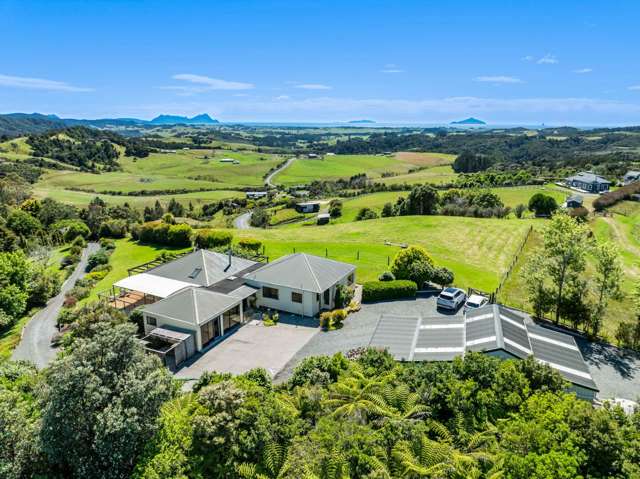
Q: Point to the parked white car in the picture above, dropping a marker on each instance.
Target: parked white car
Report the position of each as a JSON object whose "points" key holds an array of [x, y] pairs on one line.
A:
{"points": [[475, 301], [451, 298]]}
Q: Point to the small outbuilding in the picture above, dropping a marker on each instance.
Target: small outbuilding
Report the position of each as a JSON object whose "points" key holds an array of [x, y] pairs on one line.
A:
{"points": [[323, 219], [308, 207], [574, 201]]}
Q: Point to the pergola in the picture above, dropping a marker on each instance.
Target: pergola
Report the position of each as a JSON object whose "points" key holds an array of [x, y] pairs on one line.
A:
{"points": [[143, 288]]}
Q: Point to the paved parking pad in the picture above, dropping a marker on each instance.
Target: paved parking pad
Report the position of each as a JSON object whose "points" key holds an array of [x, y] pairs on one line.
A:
{"points": [[252, 346]]}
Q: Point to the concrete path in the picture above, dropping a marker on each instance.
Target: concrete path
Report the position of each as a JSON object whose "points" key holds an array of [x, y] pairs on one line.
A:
{"points": [[242, 222], [35, 343], [267, 180]]}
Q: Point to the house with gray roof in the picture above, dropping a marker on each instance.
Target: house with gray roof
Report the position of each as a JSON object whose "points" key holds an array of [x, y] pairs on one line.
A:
{"points": [[588, 181], [193, 300], [631, 176], [300, 283], [492, 329]]}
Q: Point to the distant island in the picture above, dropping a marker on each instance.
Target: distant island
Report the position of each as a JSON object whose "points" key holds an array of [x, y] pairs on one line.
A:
{"points": [[359, 122], [469, 121], [202, 119]]}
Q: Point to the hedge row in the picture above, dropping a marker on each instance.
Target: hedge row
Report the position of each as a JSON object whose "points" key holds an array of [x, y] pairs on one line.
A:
{"points": [[381, 290], [612, 197], [162, 233]]}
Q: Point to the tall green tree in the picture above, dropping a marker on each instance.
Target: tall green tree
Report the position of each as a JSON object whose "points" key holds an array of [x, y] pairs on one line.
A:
{"points": [[100, 403], [607, 280]]}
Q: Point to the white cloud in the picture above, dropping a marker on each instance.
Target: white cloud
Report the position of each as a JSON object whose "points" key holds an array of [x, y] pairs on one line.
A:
{"points": [[313, 86], [634, 87], [582, 71], [498, 79], [39, 84], [391, 68], [282, 97], [213, 83], [528, 58], [548, 59]]}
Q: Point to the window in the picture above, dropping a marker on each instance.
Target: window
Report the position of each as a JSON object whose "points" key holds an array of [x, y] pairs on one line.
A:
{"points": [[195, 273], [327, 297], [151, 321], [270, 293], [296, 297], [351, 278]]}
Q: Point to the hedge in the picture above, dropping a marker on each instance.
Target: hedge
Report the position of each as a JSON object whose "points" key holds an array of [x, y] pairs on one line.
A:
{"points": [[612, 197], [381, 290], [211, 238], [155, 232]]}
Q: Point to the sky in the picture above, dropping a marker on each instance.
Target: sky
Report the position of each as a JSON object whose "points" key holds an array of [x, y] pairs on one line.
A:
{"points": [[403, 61]]}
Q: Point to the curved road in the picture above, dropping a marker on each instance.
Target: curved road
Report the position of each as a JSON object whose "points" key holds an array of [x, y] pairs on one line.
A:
{"points": [[242, 221], [267, 180], [35, 344]]}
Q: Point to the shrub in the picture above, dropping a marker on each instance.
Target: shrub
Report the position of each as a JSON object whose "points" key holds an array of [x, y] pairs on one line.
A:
{"points": [[442, 276], [213, 238], [387, 210], [260, 218], [23, 224], [320, 370], [73, 229], [179, 235], [612, 197], [113, 229], [344, 295], [99, 257], [387, 276], [421, 272], [250, 244], [108, 244], [366, 214], [542, 205], [405, 258], [44, 285], [337, 318], [79, 242], [96, 276], [580, 213], [519, 210], [381, 290]]}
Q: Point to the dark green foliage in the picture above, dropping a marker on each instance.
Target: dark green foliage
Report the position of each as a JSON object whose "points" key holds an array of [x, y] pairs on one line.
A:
{"points": [[260, 218], [542, 205], [442, 276], [100, 403], [387, 210], [405, 258], [422, 200], [179, 235], [71, 229], [97, 258], [318, 370], [387, 276], [206, 239], [366, 214], [155, 232], [384, 290], [23, 224], [421, 272], [343, 297], [335, 208], [467, 162], [113, 229]]}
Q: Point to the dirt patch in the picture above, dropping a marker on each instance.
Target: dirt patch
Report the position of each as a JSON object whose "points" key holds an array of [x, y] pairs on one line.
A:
{"points": [[424, 159]]}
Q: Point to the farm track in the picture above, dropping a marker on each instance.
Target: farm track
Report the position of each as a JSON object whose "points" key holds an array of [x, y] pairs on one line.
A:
{"points": [[623, 240], [268, 180]]}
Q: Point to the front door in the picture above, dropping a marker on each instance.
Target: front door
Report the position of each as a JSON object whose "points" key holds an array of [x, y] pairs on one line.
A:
{"points": [[327, 298]]}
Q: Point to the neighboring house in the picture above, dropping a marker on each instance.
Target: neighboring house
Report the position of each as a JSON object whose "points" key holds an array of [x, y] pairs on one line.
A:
{"points": [[574, 201], [323, 218], [308, 207], [492, 329], [255, 195], [227, 160], [300, 283], [631, 177], [588, 181], [191, 301]]}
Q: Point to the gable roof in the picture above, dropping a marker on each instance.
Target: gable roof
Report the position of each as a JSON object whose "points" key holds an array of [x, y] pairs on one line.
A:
{"points": [[302, 271], [588, 177], [193, 305], [202, 267]]}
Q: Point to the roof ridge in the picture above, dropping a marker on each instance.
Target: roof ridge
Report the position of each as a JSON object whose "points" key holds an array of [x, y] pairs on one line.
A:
{"points": [[195, 305], [204, 267], [313, 273]]}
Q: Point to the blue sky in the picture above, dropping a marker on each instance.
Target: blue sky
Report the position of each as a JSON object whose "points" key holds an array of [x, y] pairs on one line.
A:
{"points": [[528, 62]]}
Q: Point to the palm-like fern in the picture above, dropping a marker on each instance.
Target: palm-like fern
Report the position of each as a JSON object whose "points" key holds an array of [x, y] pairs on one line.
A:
{"points": [[272, 466], [446, 456]]}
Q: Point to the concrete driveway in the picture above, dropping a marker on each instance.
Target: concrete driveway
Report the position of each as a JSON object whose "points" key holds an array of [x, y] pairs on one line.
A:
{"points": [[253, 346]]}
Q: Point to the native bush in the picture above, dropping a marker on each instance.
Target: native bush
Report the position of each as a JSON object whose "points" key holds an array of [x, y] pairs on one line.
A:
{"points": [[206, 239]]}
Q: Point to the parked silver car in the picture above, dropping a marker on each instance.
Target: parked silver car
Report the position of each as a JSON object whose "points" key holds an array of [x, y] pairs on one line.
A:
{"points": [[451, 298]]}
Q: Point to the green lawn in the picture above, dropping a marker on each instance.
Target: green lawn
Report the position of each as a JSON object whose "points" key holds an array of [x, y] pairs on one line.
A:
{"points": [[434, 174], [333, 167], [127, 254], [516, 195], [81, 198], [375, 201], [477, 250]]}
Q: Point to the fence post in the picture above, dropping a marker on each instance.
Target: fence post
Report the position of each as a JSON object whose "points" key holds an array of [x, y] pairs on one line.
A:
{"points": [[387, 260], [358, 257], [326, 252], [294, 249]]}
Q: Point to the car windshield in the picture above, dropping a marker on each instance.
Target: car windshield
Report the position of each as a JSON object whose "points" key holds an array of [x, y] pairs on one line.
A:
{"points": [[473, 304], [444, 295]]}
